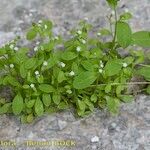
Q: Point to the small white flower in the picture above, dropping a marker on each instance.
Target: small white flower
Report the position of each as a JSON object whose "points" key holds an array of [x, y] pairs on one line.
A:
{"points": [[11, 46], [126, 10], [113, 12], [45, 63], [79, 32], [62, 64], [100, 70], [100, 62], [40, 21], [11, 65], [36, 72], [36, 49], [56, 38], [39, 25], [124, 65], [69, 91], [78, 49], [99, 34], [71, 73], [102, 65], [45, 26], [16, 48], [83, 41], [32, 85]]}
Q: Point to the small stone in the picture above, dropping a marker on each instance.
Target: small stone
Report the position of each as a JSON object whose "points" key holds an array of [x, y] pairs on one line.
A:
{"points": [[113, 12], [37, 43], [62, 124], [95, 139], [86, 18]]}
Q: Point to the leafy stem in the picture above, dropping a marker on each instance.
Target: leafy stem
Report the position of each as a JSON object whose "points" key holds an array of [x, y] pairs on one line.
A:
{"points": [[115, 32]]}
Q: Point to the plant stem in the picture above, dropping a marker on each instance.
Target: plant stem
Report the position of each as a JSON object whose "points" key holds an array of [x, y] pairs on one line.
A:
{"points": [[129, 83], [114, 39], [143, 65]]}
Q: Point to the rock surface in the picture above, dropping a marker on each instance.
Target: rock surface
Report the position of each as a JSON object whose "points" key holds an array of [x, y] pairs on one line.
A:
{"points": [[130, 130]]}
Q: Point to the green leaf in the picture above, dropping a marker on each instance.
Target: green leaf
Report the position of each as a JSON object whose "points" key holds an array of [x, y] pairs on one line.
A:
{"points": [[89, 104], [141, 38], [84, 80], [124, 34], [112, 3], [108, 88], [31, 34], [145, 72], [112, 104], [17, 104], [51, 62], [113, 67], [75, 68], [148, 90], [127, 98], [61, 77], [2, 51], [81, 105], [4, 109], [105, 32], [87, 65], [30, 63], [119, 89], [63, 105], [48, 23], [30, 103], [56, 98], [39, 109], [46, 88], [23, 71], [46, 98], [68, 55], [94, 98], [30, 118], [125, 16], [12, 81]]}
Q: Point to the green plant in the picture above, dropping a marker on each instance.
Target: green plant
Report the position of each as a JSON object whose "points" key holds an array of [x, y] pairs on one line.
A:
{"points": [[87, 73]]}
